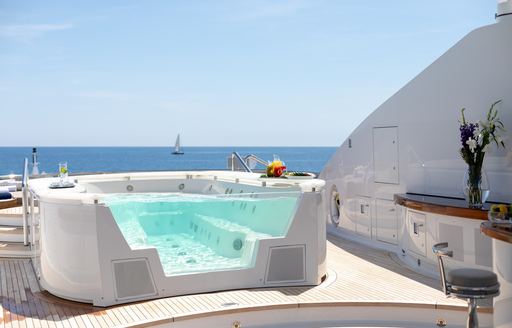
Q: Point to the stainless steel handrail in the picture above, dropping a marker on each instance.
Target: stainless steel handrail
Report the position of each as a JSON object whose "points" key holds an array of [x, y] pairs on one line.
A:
{"points": [[24, 191], [236, 156], [255, 158]]}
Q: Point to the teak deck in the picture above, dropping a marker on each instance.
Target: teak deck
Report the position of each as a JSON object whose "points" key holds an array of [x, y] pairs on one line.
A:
{"points": [[356, 275]]}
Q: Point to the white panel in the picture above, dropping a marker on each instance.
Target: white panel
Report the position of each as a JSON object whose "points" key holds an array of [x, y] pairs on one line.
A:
{"points": [[385, 154], [364, 217], [453, 234], [483, 249], [416, 226], [386, 221]]}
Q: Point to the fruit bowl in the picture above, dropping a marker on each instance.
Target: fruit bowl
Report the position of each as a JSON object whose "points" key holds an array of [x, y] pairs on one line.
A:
{"points": [[500, 214]]}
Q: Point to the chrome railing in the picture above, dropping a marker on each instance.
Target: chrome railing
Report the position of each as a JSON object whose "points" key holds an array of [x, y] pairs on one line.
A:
{"points": [[25, 203], [250, 159], [247, 163], [235, 161]]}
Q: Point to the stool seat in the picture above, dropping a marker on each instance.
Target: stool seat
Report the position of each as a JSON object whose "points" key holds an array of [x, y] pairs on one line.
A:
{"points": [[471, 278], [471, 284]]}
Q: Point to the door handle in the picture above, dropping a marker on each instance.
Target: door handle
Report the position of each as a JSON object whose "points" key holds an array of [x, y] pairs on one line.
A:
{"points": [[416, 227]]}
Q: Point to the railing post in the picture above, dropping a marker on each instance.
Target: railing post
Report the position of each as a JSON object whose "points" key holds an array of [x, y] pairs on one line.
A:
{"points": [[24, 204], [239, 158]]}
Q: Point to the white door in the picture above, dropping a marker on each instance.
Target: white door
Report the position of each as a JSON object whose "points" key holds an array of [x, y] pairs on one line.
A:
{"points": [[385, 154]]}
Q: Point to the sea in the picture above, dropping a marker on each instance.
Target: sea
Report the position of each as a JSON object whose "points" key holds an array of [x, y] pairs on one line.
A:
{"points": [[130, 159]]}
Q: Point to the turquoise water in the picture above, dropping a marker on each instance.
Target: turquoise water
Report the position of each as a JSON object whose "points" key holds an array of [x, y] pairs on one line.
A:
{"points": [[198, 233]]}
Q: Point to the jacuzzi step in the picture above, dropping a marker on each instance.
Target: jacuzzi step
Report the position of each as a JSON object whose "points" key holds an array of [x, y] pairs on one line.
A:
{"points": [[10, 249], [11, 234], [12, 216], [11, 220]]}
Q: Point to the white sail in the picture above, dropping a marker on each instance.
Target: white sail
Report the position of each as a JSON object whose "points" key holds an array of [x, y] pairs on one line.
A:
{"points": [[177, 144], [177, 147]]}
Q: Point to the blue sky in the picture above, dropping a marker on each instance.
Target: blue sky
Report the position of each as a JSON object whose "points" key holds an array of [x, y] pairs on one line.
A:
{"points": [[221, 73]]}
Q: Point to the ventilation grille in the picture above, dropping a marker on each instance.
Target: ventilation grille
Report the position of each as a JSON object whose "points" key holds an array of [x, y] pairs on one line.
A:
{"points": [[133, 279], [286, 264]]}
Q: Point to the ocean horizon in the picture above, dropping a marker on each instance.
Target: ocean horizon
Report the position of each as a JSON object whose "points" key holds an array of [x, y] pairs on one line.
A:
{"points": [[82, 159]]}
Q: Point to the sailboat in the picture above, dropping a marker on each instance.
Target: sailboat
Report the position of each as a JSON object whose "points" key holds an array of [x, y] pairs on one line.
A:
{"points": [[177, 150]]}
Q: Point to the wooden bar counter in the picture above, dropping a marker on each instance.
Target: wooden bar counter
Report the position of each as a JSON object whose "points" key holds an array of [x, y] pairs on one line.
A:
{"points": [[497, 231], [442, 205]]}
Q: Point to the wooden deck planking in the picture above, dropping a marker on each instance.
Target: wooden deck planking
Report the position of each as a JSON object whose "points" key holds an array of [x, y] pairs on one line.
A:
{"points": [[357, 275]]}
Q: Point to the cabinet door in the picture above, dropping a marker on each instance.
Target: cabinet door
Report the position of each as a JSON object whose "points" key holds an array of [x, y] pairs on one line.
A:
{"points": [[416, 226], [385, 154], [364, 218], [386, 221]]}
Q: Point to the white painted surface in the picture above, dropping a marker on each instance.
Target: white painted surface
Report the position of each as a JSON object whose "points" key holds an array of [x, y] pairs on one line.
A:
{"points": [[416, 228], [502, 266], [386, 221], [364, 217], [385, 154], [334, 316]]}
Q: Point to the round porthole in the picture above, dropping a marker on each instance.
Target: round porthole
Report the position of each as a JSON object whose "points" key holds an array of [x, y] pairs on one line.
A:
{"points": [[181, 186], [334, 212], [129, 187]]}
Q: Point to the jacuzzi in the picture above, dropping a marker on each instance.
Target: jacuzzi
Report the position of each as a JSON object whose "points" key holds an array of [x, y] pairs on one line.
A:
{"points": [[117, 238]]}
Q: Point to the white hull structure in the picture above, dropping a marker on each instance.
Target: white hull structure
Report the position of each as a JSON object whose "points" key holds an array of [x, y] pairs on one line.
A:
{"points": [[410, 144]]}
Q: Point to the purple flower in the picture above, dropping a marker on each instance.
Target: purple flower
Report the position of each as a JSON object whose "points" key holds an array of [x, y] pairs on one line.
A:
{"points": [[467, 131]]}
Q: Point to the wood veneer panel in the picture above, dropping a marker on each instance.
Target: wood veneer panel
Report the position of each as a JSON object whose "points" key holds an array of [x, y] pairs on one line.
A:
{"points": [[500, 232], [441, 205]]}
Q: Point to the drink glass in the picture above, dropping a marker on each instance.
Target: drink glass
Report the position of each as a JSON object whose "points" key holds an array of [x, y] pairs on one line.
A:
{"points": [[63, 172]]}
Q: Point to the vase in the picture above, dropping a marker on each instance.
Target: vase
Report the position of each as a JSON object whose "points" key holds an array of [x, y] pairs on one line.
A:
{"points": [[475, 186]]}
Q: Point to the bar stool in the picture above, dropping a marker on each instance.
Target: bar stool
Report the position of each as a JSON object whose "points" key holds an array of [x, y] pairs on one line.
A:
{"points": [[470, 284]]}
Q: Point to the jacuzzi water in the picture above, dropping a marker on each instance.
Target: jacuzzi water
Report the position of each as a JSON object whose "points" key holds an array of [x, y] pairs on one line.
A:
{"points": [[197, 233]]}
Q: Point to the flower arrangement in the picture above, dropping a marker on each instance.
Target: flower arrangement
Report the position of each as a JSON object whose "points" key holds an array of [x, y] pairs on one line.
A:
{"points": [[476, 139]]}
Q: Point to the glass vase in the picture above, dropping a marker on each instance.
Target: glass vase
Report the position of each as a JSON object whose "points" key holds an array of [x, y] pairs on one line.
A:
{"points": [[475, 187]]}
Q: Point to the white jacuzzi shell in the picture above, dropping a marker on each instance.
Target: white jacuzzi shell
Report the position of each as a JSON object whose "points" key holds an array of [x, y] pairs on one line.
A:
{"points": [[84, 256]]}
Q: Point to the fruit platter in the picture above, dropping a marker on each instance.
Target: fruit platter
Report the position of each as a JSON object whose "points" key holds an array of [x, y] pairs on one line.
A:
{"points": [[295, 175], [277, 169]]}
